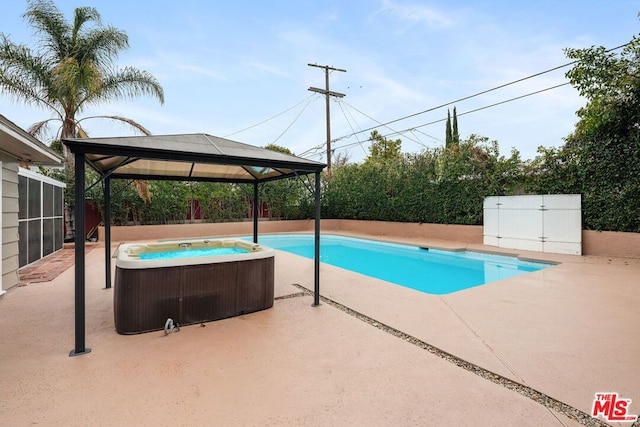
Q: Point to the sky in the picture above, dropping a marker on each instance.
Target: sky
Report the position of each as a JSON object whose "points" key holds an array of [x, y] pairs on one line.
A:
{"points": [[239, 69]]}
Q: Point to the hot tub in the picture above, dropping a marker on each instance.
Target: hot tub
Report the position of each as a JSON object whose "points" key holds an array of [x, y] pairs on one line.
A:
{"points": [[190, 282]]}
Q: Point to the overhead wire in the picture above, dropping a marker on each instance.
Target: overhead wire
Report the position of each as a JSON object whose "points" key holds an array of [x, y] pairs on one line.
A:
{"points": [[381, 124], [476, 94], [349, 123], [467, 112], [458, 100], [310, 151], [416, 128], [294, 120], [273, 117]]}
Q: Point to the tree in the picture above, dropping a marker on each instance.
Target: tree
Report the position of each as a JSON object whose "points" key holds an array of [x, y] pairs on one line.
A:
{"points": [[282, 197], [452, 137], [383, 149], [72, 69], [278, 148], [448, 140], [455, 136], [606, 141], [437, 185]]}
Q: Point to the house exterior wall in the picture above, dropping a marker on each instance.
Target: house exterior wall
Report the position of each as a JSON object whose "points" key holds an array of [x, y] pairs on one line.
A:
{"points": [[9, 202], [40, 216]]}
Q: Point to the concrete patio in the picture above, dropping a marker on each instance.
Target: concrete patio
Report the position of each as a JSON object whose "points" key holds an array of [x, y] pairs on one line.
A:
{"points": [[531, 350]]}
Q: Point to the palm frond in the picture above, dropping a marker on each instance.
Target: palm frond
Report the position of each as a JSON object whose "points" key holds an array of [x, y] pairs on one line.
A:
{"points": [[142, 188], [72, 66], [49, 22], [41, 128], [127, 84], [126, 120], [81, 16], [80, 130], [102, 46], [21, 91], [24, 76]]}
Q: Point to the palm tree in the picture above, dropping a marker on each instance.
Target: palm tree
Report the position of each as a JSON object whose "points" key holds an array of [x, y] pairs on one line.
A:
{"points": [[72, 70]]}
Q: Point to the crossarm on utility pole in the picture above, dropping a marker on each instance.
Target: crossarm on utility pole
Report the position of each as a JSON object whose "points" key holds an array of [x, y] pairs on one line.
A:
{"points": [[327, 94]]}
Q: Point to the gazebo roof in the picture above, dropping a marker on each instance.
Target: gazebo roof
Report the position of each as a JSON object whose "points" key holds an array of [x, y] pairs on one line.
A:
{"points": [[195, 157]]}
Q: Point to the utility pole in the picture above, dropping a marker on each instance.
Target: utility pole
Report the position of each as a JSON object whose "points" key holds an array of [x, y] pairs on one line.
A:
{"points": [[327, 94]]}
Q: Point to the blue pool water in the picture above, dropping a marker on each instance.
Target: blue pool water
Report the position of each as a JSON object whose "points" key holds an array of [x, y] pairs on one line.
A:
{"points": [[432, 271], [192, 252]]}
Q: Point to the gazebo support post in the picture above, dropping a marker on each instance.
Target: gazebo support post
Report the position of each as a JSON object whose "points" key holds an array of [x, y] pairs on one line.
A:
{"points": [[107, 233], [256, 212], [79, 257], [316, 258]]}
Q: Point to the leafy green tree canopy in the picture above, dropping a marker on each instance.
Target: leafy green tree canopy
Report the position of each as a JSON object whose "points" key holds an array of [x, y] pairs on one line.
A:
{"points": [[601, 158], [278, 148], [383, 149]]}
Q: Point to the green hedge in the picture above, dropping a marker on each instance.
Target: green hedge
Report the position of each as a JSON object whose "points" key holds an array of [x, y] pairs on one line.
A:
{"points": [[437, 186], [445, 186]]}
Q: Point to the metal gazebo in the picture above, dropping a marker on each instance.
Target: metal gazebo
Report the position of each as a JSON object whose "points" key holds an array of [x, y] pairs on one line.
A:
{"points": [[182, 157]]}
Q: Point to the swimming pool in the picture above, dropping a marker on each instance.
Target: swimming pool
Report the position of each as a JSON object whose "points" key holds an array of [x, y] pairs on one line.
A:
{"points": [[431, 271]]}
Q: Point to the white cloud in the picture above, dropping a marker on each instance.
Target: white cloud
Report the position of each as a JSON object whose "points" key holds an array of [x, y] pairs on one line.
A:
{"points": [[200, 71], [268, 68], [418, 14]]}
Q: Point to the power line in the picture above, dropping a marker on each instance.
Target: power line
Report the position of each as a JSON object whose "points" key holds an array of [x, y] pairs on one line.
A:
{"points": [[460, 99], [466, 112], [294, 120], [475, 94], [273, 117], [415, 128], [371, 118], [349, 123]]}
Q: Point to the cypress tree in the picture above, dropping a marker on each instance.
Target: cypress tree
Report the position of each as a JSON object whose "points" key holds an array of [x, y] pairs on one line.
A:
{"points": [[455, 136], [448, 136]]}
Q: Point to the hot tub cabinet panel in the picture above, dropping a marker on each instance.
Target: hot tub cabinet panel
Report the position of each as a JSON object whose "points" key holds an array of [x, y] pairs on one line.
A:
{"points": [[144, 298], [209, 292], [253, 298]]}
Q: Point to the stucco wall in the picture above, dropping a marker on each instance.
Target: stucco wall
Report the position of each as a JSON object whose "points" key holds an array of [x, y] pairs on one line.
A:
{"points": [[458, 233], [178, 231], [594, 243], [461, 233], [611, 243]]}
